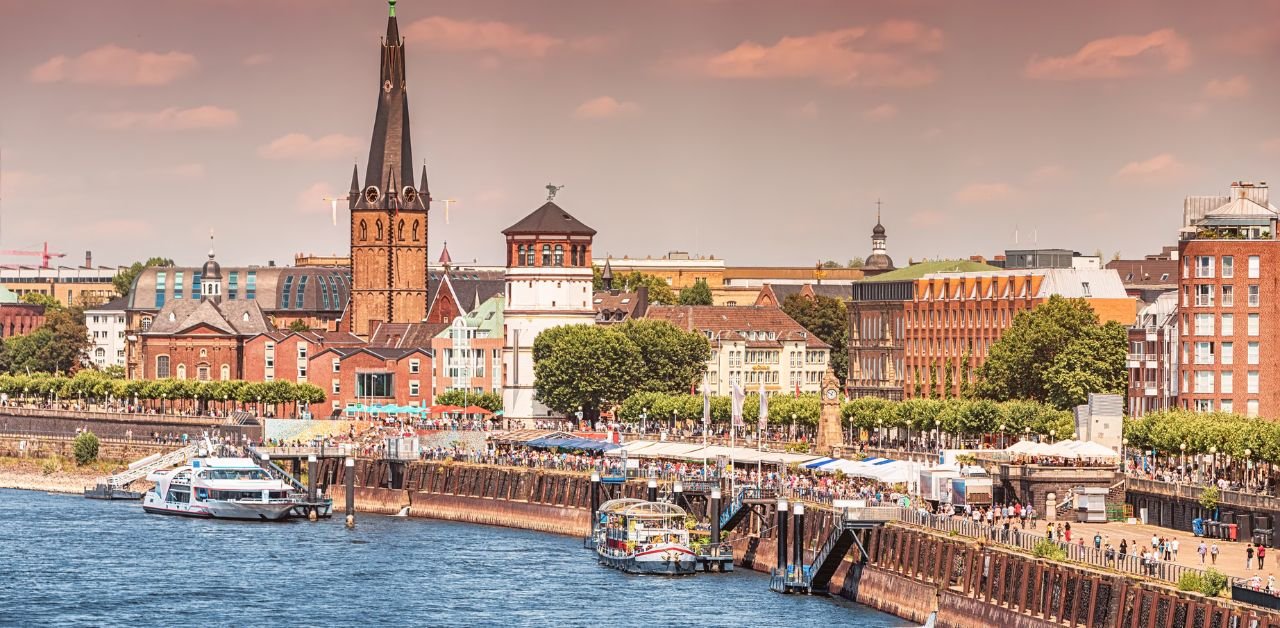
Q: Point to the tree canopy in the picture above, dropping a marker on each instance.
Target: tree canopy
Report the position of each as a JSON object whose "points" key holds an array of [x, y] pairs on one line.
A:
{"points": [[49, 302], [490, 401], [58, 346], [585, 366], [1232, 434], [123, 281], [673, 359], [1056, 353], [659, 290], [697, 294], [827, 318]]}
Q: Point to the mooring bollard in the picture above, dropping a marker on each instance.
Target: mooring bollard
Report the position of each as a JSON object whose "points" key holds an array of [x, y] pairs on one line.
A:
{"points": [[349, 474], [715, 519], [653, 489], [595, 494], [311, 478], [677, 493], [782, 537], [797, 533]]}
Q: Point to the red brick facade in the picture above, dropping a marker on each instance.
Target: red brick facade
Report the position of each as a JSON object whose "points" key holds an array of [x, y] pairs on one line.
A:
{"points": [[1229, 352], [278, 355], [202, 353], [18, 319], [409, 369]]}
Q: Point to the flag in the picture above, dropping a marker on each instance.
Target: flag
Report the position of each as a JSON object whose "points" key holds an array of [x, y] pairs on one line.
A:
{"points": [[706, 402], [738, 396], [764, 409]]}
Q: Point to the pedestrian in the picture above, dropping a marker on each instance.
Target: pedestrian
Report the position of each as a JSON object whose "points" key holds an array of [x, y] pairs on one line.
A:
{"points": [[1248, 557], [1155, 541], [1097, 540], [1124, 549], [1213, 553], [1262, 556], [1067, 529], [1202, 550], [1174, 545]]}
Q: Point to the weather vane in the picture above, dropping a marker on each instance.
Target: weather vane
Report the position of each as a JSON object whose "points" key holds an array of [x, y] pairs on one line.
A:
{"points": [[551, 191]]}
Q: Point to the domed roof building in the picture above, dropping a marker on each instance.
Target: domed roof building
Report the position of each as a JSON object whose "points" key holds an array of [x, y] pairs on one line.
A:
{"points": [[879, 260]]}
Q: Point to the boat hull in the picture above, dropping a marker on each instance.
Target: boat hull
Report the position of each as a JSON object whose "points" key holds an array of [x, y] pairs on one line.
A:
{"points": [[665, 560], [221, 510]]}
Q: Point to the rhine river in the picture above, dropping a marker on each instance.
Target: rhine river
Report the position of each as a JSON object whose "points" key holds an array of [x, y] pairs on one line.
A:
{"points": [[66, 560]]}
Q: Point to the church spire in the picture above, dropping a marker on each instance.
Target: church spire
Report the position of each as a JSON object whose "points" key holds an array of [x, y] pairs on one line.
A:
{"points": [[390, 149], [423, 189]]}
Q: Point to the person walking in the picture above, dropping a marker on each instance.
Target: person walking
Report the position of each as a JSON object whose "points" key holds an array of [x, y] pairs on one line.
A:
{"points": [[1262, 556], [1097, 540], [1174, 545], [1202, 550], [1213, 553], [1248, 557]]}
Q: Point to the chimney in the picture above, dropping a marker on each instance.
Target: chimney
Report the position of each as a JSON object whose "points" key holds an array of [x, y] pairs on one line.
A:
{"points": [[88, 259]]}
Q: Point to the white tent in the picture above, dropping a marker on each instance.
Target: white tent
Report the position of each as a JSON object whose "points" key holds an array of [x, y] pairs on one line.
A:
{"points": [[1021, 447], [1095, 450]]}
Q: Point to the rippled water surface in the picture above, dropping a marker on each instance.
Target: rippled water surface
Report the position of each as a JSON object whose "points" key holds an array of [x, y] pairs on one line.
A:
{"points": [[68, 560]]}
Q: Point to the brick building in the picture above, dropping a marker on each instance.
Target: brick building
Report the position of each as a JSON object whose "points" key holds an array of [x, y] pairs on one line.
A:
{"points": [[1153, 356], [1229, 303], [286, 355], [373, 376], [1149, 277], [953, 318]]}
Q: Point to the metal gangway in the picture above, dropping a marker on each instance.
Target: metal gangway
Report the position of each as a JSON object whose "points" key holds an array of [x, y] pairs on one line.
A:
{"points": [[141, 468], [851, 529]]}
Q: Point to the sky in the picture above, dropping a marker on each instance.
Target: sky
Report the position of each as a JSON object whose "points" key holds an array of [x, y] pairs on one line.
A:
{"points": [[758, 131]]}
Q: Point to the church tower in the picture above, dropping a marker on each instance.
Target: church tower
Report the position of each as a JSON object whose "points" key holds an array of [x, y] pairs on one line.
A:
{"points": [[388, 214], [879, 259]]}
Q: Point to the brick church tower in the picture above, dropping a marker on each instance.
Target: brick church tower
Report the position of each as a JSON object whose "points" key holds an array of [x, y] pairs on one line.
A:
{"points": [[388, 214]]}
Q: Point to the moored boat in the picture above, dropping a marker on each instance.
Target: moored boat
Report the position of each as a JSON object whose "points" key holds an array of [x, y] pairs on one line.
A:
{"points": [[221, 488], [643, 537]]}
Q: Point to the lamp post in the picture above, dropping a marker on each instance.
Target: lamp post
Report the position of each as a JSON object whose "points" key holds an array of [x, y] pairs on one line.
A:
{"points": [[880, 433], [1214, 450], [793, 426], [644, 420], [1052, 433], [909, 434], [673, 422], [1124, 454], [1247, 452], [1183, 448], [1002, 426]]}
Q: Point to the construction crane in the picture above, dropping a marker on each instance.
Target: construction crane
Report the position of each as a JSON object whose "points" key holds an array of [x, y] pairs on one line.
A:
{"points": [[333, 201], [44, 255]]}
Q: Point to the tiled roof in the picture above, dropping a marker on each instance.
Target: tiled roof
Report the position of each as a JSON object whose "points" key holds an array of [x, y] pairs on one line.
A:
{"points": [[549, 219], [466, 285], [115, 305], [1146, 272], [238, 317], [616, 307], [769, 325], [385, 353], [916, 271], [405, 335]]}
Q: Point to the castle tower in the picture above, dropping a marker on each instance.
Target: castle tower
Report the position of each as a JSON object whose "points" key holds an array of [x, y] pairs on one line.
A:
{"points": [[548, 284], [389, 215]]}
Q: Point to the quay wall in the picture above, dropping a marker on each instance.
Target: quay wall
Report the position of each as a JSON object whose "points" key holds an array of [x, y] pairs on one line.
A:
{"points": [[1174, 506], [43, 446], [909, 572], [115, 425]]}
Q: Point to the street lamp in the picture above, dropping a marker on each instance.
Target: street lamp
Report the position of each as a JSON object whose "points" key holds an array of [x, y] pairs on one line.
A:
{"points": [[1183, 449], [909, 434], [1247, 452], [1124, 454], [1214, 450], [793, 426], [1002, 426], [1052, 434], [880, 433], [644, 420]]}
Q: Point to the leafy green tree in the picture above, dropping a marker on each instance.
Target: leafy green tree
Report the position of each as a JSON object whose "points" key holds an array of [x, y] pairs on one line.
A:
{"points": [[299, 325], [830, 264], [1055, 353], [490, 401], [828, 319], [697, 294], [674, 359], [114, 371], [57, 346], [948, 380], [123, 281], [855, 262], [49, 302], [585, 366], [85, 447], [659, 290]]}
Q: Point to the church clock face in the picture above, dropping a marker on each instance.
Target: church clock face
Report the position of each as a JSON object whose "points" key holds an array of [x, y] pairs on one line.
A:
{"points": [[831, 394]]}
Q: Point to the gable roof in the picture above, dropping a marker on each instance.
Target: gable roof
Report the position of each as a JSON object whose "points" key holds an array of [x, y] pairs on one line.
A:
{"points": [[736, 322], [238, 317], [384, 353], [551, 219], [465, 285], [404, 335]]}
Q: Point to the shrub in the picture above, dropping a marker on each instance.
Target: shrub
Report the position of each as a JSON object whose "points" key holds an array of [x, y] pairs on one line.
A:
{"points": [[1209, 498], [51, 465], [1190, 581], [1210, 583], [86, 448], [1050, 550]]}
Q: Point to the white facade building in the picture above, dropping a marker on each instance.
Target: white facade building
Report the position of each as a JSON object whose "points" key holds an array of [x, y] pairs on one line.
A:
{"points": [[106, 325], [548, 284]]}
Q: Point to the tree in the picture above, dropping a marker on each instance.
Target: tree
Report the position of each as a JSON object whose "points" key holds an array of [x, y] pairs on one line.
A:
{"points": [[49, 302], [85, 447], [830, 264], [123, 281], [57, 346], [697, 294], [659, 290], [1057, 352], [299, 325], [584, 366], [855, 262], [490, 401], [674, 359], [828, 319]]}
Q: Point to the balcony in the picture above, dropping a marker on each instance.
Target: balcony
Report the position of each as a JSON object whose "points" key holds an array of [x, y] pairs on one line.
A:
{"points": [[1142, 357]]}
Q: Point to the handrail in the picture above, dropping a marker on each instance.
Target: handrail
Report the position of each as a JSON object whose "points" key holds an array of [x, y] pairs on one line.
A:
{"points": [[204, 421], [128, 476]]}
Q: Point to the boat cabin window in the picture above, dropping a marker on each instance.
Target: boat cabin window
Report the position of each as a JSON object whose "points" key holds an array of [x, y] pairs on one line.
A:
{"points": [[234, 474], [179, 497]]}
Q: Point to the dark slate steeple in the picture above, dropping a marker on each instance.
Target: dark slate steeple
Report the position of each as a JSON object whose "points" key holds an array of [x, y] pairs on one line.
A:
{"points": [[390, 151], [353, 195]]}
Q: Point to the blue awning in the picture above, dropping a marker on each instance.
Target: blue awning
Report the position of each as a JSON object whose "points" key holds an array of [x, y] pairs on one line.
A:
{"points": [[820, 462]]}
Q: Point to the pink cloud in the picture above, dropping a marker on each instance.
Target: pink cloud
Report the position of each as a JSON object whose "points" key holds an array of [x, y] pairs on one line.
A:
{"points": [[114, 65], [302, 146], [880, 112], [1228, 89], [450, 35], [1162, 167], [890, 54], [606, 107], [1162, 51], [977, 193], [170, 119]]}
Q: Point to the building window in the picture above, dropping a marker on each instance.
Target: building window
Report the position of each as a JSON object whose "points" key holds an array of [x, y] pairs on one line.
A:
{"points": [[414, 387], [337, 365], [1204, 381], [1204, 353], [530, 256], [146, 323], [251, 285], [415, 231], [1228, 324], [1228, 296], [302, 293], [519, 255], [270, 355], [1204, 405], [1251, 386], [1228, 383], [1254, 299], [288, 292], [337, 386], [160, 287], [374, 385], [1226, 405], [1253, 352], [559, 258], [415, 366], [162, 366], [1228, 352], [546, 255], [1228, 267], [202, 372], [377, 230], [302, 361], [1204, 295], [1251, 408], [1255, 267], [233, 285], [400, 230], [1204, 267], [364, 231], [1204, 325], [1253, 324], [195, 285], [177, 285]]}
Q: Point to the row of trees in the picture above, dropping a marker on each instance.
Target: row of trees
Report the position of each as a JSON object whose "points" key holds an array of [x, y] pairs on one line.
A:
{"points": [[95, 387], [490, 401], [589, 367], [953, 416], [1173, 432]]}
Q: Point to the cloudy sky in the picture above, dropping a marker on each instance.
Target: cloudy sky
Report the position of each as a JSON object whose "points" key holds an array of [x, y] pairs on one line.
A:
{"points": [[759, 131]]}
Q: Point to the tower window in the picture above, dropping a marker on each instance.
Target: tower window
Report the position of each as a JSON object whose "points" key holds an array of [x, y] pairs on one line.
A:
{"points": [[364, 231], [529, 256], [400, 230], [415, 231], [559, 259], [377, 230], [546, 255], [520, 255]]}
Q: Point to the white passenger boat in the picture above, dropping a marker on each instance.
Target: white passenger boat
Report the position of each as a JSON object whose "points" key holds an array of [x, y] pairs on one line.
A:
{"points": [[643, 537], [222, 488]]}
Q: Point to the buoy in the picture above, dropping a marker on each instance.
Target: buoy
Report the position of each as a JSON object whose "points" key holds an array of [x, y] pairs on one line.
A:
{"points": [[351, 521]]}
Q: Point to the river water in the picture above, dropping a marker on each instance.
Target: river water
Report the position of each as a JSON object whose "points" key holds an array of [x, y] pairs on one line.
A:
{"points": [[66, 560]]}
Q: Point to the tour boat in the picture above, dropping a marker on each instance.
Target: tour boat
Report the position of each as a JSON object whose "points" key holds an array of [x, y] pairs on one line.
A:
{"points": [[643, 537], [221, 488]]}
